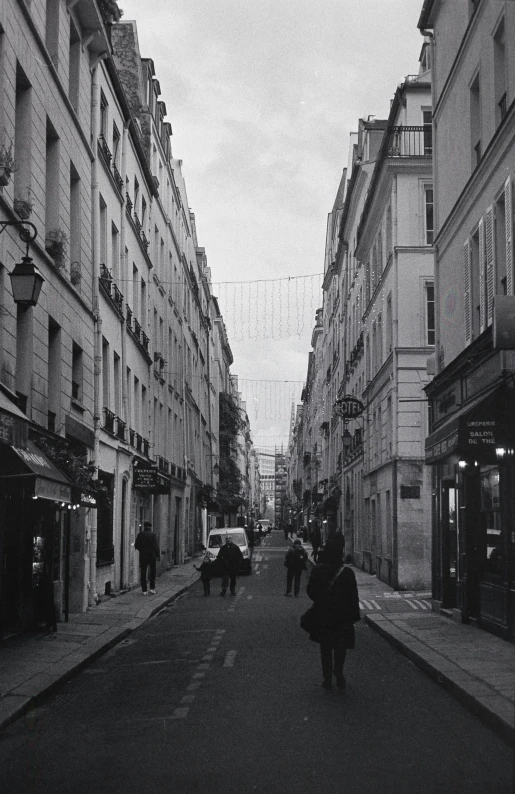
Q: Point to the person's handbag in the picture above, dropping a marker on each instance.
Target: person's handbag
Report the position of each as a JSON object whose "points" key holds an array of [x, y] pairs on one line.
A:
{"points": [[313, 620]]}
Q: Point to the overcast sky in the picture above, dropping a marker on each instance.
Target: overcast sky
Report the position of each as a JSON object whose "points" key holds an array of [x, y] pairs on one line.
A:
{"points": [[262, 96]]}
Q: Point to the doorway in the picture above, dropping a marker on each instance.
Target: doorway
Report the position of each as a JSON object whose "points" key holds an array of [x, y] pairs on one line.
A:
{"points": [[449, 543]]}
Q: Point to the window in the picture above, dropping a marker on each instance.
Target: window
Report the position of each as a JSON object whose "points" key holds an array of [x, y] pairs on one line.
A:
{"points": [[74, 67], [116, 144], [105, 373], [429, 215], [499, 219], [103, 231], [75, 226], [117, 383], [115, 251], [427, 123], [51, 179], [500, 73], [52, 30], [475, 275], [22, 136], [389, 324], [77, 374], [475, 121], [54, 375], [430, 314], [103, 114]]}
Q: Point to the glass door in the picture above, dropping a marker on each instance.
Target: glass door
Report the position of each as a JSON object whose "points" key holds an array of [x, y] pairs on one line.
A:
{"points": [[449, 544]]}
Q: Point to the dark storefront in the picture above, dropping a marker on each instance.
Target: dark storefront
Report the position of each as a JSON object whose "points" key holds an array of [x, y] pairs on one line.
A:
{"points": [[471, 450], [35, 508]]}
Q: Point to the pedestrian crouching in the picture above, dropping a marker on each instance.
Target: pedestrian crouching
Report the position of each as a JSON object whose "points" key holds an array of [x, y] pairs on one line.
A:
{"points": [[206, 574], [295, 562], [332, 586]]}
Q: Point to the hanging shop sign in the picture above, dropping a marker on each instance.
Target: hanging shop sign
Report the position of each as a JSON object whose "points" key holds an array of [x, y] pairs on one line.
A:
{"points": [[147, 478], [348, 407]]}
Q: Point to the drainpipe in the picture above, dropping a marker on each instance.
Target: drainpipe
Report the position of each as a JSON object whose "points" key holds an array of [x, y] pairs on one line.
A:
{"points": [[124, 268], [97, 320], [395, 395]]}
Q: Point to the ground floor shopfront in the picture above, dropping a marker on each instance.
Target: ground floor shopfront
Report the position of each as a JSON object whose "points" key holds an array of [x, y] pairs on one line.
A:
{"points": [[471, 453]]}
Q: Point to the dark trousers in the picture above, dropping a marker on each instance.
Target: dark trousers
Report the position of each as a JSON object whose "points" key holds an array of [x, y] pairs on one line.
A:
{"points": [[229, 577], [332, 654], [151, 565], [206, 583], [315, 553], [293, 576]]}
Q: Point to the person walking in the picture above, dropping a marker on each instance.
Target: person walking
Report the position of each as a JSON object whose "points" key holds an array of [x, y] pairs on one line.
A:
{"points": [[286, 531], [146, 544], [231, 561], [332, 587], [316, 542], [295, 562], [206, 572]]}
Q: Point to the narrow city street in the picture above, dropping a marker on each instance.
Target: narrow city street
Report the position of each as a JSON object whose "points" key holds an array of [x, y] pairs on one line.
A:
{"points": [[223, 695]]}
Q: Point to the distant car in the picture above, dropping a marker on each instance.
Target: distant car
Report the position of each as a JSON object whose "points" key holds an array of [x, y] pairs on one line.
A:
{"points": [[216, 540]]}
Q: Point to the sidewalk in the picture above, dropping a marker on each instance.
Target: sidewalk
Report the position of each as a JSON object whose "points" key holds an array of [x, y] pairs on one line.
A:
{"points": [[32, 666], [475, 666]]}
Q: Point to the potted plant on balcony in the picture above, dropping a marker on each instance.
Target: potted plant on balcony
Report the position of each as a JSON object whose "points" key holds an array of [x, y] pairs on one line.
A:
{"points": [[7, 163], [24, 206], [55, 244]]}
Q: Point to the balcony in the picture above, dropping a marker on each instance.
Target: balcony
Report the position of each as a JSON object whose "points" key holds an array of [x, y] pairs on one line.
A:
{"points": [[110, 289], [137, 223], [118, 178], [104, 148], [163, 465], [410, 142], [144, 239], [120, 428], [128, 318], [128, 203], [109, 418], [144, 341]]}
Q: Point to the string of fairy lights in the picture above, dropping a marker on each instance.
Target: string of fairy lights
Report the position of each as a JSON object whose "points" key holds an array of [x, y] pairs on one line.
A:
{"points": [[270, 400], [269, 308]]}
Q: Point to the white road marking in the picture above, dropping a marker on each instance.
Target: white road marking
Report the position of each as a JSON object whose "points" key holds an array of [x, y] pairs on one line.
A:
{"points": [[229, 658], [367, 604], [412, 605], [376, 604], [265, 566], [179, 714], [207, 657], [257, 573], [421, 604], [187, 699], [198, 675], [212, 649], [203, 666], [192, 687], [249, 598]]}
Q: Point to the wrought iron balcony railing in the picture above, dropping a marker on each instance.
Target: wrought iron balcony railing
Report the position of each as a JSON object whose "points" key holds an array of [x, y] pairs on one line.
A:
{"points": [[410, 141], [128, 203], [104, 148], [109, 418], [117, 178]]}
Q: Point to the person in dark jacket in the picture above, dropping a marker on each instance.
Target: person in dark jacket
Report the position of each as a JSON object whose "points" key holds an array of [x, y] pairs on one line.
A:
{"points": [[339, 610], [230, 560], [295, 562], [316, 542], [206, 572], [146, 544]]}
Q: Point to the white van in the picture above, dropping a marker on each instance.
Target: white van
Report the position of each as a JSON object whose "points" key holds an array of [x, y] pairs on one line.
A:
{"points": [[216, 540]]}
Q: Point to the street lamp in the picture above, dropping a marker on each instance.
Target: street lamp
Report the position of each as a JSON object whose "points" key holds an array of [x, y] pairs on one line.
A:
{"points": [[26, 280]]}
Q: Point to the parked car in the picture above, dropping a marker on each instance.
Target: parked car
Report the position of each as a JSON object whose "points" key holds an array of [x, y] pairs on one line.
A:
{"points": [[216, 540]]}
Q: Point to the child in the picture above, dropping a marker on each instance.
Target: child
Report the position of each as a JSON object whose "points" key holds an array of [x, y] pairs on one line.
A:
{"points": [[205, 569]]}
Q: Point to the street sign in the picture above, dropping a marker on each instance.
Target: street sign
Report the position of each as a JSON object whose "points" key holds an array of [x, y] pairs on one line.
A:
{"points": [[348, 407]]}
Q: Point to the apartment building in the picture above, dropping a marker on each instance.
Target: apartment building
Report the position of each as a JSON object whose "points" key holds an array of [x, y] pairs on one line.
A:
{"points": [[469, 447], [110, 377]]}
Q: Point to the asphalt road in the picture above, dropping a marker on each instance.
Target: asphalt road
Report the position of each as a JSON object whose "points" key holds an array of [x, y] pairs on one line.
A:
{"points": [[224, 695]]}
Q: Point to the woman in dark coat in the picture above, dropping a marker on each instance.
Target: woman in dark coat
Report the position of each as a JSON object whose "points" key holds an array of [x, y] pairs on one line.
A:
{"points": [[338, 607]]}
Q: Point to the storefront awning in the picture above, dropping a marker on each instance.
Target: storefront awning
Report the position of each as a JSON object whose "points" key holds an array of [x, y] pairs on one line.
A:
{"points": [[30, 467], [477, 432]]}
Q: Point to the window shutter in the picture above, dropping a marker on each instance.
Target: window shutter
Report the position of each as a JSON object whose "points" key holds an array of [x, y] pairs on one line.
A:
{"points": [[508, 210], [466, 293], [482, 301], [489, 257]]}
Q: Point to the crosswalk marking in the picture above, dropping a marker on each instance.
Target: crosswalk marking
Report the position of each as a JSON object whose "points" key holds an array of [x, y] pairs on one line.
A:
{"points": [[412, 605], [180, 713], [229, 658], [421, 604]]}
